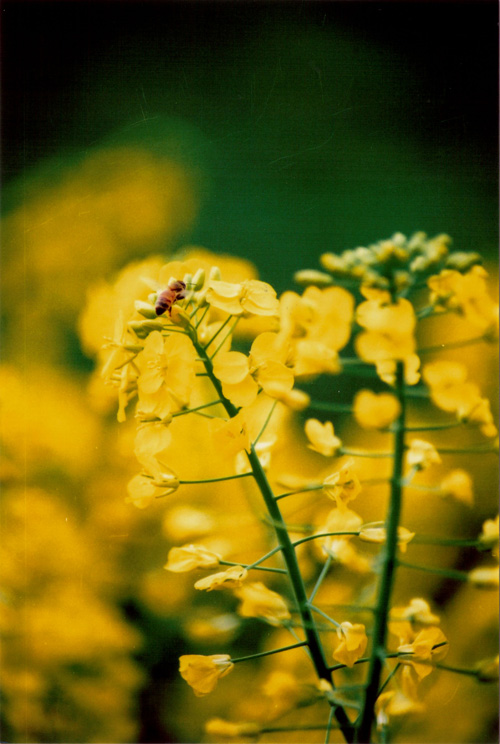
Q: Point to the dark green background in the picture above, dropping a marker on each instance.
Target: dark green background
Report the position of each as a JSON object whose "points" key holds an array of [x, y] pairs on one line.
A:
{"points": [[319, 126]]}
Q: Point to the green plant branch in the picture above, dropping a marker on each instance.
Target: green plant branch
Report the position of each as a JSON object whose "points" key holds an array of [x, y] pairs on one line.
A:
{"points": [[388, 567], [313, 640]]}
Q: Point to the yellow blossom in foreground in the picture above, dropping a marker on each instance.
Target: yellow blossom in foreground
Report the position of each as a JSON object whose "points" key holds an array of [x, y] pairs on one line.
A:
{"points": [[342, 486], [143, 490], [429, 644], [259, 601], [228, 730], [189, 557], [489, 536], [229, 579], [231, 437], [376, 533], [353, 642], [422, 455], [484, 578], [458, 485], [321, 437], [242, 376], [203, 672], [375, 410], [250, 297]]}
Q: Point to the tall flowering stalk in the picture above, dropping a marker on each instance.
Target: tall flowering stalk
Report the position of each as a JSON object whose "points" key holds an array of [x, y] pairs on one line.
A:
{"points": [[189, 355]]}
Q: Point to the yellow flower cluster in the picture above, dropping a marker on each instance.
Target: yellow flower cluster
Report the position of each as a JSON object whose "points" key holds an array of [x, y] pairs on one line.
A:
{"points": [[200, 385]]}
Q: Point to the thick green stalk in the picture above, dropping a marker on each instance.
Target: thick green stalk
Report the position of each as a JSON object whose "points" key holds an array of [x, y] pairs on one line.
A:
{"points": [[389, 562], [289, 556]]}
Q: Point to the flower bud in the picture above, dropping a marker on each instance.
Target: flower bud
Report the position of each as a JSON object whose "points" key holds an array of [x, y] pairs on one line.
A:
{"points": [[198, 280], [462, 261], [145, 309], [215, 274], [180, 317], [307, 277], [335, 264]]}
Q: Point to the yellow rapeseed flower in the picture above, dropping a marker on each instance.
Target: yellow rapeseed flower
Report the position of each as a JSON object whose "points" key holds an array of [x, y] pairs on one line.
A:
{"points": [[231, 578], [342, 486], [376, 533], [189, 557], [259, 601], [203, 672], [422, 455], [375, 410], [353, 642], [144, 490], [429, 644], [321, 437]]}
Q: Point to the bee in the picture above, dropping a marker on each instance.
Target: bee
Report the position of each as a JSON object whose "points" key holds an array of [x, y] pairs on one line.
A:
{"points": [[166, 299]]}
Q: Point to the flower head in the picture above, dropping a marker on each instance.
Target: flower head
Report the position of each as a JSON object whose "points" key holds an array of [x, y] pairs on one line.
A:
{"points": [[203, 672], [189, 557], [353, 642], [232, 578], [377, 533], [375, 410], [421, 455], [321, 437], [429, 644], [259, 601], [342, 486]]}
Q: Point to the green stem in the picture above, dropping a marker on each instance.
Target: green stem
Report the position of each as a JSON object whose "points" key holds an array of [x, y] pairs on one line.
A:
{"points": [[362, 453], [327, 617], [302, 490], [257, 568], [469, 450], [446, 541], [323, 534], [214, 480], [388, 567], [434, 427], [264, 426], [198, 408], [269, 653], [447, 573], [276, 729], [329, 725], [388, 679], [217, 332], [290, 558], [287, 548], [321, 577], [264, 557]]}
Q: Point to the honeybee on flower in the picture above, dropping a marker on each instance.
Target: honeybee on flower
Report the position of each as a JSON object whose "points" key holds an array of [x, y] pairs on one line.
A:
{"points": [[176, 290]]}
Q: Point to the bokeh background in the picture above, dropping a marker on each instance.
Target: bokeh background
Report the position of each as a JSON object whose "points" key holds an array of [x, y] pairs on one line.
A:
{"points": [[270, 131]]}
